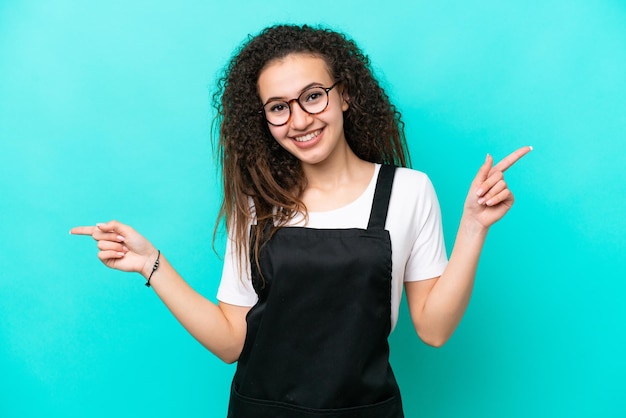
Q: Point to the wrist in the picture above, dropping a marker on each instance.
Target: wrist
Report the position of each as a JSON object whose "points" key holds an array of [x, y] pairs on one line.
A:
{"points": [[149, 263], [471, 228], [155, 266]]}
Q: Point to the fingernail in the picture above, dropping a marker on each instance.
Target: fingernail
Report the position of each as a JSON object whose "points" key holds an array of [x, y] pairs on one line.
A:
{"points": [[489, 202], [125, 248], [479, 192], [481, 200], [531, 147], [121, 254], [120, 238]]}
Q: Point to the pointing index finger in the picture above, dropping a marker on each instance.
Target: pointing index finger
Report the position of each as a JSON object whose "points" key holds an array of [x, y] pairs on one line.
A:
{"points": [[83, 230], [511, 159]]}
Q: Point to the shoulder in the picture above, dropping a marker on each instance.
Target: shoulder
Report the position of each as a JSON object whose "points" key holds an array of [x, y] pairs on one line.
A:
{"points": [[410, 173], [413, 199], [413, 182]]}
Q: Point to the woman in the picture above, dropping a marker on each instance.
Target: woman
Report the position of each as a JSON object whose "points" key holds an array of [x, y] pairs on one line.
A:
{"points": [[323, 233]]}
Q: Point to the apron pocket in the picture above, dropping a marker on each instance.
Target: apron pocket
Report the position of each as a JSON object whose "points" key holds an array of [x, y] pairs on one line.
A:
{"points": [[242, 406]]}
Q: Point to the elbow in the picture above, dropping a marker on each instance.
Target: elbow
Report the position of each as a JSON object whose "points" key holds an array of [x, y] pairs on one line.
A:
{"points": [[231, 354], [227, 349], [434, 334], [229, 359], [433, 339], [434, 342], [228, 356]]}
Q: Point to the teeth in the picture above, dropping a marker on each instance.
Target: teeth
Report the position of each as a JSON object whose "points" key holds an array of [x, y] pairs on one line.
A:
{"points": [[308, 137]]}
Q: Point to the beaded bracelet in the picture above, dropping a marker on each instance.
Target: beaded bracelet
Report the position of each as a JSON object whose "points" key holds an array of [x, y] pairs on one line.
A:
{"points": [[154, 267]]}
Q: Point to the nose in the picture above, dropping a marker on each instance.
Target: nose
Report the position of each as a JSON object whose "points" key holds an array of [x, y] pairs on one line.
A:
{"points": [[300, 119]]}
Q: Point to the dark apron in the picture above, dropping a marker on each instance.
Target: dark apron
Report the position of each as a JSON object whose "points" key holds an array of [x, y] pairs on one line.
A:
{"points": [[316, 344]]}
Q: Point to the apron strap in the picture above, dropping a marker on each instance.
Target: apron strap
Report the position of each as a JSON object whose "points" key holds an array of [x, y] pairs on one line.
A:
{"points": [[380, 205]]}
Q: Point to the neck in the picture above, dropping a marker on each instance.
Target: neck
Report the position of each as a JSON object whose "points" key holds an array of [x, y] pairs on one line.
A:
{"points": [[344, 167], [337, 183]]}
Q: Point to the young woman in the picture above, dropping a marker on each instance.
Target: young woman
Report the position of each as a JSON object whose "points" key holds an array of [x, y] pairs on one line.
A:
{"points": [[324, 233]]}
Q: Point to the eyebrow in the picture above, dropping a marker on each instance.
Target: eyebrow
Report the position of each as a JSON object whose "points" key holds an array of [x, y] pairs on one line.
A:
{"points": [[308, 86]]}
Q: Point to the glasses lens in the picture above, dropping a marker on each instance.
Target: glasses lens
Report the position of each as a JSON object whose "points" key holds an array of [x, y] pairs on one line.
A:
{"points": [[276, 113], [314, 100]]}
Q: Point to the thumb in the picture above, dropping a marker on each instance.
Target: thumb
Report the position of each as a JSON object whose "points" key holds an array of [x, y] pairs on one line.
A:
{"points": [[116, 227], [131, 238], [483, 171]]}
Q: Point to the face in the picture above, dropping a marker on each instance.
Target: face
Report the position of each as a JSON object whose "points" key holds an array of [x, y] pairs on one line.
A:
{"points": [[313, 139]]}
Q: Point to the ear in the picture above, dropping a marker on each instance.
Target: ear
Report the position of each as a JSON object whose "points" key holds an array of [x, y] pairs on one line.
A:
{"points": [[345, 99]]}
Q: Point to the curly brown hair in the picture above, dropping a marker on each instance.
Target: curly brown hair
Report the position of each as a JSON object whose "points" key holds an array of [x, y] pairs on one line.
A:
{"points": [[254, 165]]}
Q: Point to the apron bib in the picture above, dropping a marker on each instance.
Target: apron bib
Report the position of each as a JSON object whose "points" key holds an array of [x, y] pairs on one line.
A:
{"points": [[316, 344]]}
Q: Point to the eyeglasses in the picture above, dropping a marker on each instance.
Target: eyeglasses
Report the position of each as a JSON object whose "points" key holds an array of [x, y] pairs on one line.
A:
{"points": [[313, 101]]}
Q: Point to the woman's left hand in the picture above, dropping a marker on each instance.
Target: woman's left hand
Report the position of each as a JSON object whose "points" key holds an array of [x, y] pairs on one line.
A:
{"points": [[489, 198]]}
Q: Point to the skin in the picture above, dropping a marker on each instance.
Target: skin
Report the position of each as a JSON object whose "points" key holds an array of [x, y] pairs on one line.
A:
{"points": [[437, 305], [335, 177]]}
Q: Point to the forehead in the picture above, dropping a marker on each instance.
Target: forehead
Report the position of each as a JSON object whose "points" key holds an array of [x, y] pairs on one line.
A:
{"points": [[286, 77]]}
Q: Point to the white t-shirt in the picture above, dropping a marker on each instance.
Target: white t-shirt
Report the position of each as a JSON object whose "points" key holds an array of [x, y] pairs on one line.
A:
{"points": [[413, 222]]}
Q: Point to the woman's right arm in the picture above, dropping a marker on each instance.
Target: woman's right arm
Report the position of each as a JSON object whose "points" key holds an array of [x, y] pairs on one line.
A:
{"points": [[221, 327]]}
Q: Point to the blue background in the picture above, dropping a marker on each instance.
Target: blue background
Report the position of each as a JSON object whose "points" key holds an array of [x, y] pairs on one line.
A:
{"points": [[105, 113]]}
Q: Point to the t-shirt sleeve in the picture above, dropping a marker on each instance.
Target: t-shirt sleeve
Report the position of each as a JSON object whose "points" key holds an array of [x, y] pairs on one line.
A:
{"points": [[236, 286], [428, 256]]}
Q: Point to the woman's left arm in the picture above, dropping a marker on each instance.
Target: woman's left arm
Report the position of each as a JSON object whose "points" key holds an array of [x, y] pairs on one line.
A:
{"points": [[437, 305]]}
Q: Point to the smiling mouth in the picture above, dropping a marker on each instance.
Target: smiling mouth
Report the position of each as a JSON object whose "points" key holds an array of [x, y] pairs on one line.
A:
{"points": [[307, 137]]}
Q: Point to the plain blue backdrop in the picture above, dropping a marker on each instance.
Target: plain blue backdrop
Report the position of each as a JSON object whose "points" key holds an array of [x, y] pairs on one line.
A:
{"points": [[105, 113]]}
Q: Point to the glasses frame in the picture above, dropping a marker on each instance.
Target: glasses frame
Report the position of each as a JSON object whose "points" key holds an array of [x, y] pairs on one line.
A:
{"points": [[297, 100]]}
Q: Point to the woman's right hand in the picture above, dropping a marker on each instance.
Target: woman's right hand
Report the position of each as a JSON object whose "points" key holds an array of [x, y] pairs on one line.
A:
{"points": [[121, 247], [220, 328]]}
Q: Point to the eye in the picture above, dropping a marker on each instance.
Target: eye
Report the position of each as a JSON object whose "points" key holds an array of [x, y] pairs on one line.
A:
{"points": [[313, 95], [276, 107]]}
